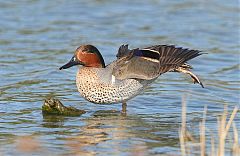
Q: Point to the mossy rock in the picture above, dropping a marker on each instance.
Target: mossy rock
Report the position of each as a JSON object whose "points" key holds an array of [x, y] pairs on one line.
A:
{"points": [[53, 106]]}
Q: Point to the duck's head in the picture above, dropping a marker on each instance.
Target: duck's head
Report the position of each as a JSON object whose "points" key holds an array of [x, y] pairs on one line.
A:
{"points": [[86, 55]]}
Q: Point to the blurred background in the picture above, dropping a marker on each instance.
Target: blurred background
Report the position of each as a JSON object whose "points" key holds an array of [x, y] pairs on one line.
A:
{"points": [[39, 36]]}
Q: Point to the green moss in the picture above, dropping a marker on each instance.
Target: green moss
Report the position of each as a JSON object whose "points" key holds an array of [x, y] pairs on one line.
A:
{"points": [[64, 111]]}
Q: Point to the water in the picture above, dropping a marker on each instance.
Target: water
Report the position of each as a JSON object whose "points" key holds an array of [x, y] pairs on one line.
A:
{"points": [[39, 36]]}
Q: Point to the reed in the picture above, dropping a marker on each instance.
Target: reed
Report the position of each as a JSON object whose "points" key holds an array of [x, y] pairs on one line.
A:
{"points": [[217, 146]]}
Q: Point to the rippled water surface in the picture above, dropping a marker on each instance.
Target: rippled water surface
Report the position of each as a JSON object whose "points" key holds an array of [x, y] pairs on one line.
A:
{"points": [[38, 36]]}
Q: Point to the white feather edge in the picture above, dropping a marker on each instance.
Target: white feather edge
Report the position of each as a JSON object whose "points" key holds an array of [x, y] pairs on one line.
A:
{"points": [[113, 79]]}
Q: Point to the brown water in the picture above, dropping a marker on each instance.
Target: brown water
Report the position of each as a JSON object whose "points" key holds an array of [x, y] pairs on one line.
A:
{"points": [[38, 36]]}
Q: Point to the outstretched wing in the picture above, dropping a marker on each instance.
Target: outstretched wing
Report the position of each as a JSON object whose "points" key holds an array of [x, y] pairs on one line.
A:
{"points": [[148, 63], [172, 57]]}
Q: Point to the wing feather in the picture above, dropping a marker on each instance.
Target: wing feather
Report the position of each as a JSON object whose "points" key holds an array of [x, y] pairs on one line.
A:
{"points": [[150, 62]]}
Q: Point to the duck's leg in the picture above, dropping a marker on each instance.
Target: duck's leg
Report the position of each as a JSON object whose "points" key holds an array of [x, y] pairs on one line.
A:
{"points": [[124, 107]]}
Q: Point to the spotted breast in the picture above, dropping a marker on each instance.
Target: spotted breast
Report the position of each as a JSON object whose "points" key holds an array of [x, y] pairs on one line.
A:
{"points": [[101, 87]]}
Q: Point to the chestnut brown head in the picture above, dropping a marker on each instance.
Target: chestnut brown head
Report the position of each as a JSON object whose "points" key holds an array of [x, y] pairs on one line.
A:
{"points": [[86, 55]]}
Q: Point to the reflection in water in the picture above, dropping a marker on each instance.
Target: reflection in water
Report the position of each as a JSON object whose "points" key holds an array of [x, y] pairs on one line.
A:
{"points": [[107, 129], [28, 144], [53, 121], [112, 132]]}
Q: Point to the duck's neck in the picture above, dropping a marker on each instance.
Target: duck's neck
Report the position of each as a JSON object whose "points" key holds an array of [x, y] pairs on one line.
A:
{"points": [[101, 62]]}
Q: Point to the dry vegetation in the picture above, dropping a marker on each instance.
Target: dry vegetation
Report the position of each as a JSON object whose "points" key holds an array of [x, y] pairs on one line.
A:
{"points": [[190, 145]]}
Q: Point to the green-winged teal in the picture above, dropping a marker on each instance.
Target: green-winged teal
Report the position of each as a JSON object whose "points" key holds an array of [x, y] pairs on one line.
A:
{"points": [[129, 74]]}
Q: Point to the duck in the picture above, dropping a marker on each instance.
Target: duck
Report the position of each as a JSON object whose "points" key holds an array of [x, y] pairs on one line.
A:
{"points": [[128, 75]]}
